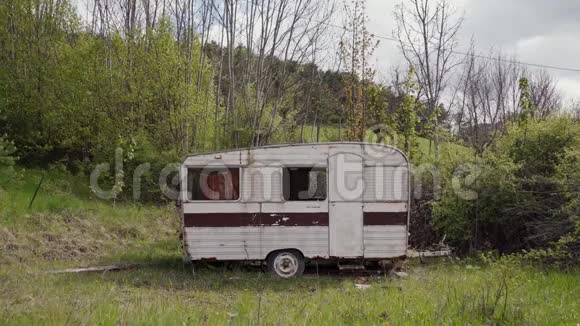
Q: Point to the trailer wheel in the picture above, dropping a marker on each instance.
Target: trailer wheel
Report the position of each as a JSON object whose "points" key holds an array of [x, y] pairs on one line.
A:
{"points": [[286, 263]]}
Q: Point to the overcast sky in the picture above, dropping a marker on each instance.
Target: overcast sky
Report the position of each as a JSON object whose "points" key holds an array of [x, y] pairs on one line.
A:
{"points": [[538, 31]]}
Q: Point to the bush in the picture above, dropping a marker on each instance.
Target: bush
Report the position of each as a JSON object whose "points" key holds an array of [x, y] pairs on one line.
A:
{"points": [[138, 176], [527, 188], [564, 253]]}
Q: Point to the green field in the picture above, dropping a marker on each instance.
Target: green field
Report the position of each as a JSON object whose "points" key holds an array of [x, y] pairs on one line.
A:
{"points": [[62, 230]]}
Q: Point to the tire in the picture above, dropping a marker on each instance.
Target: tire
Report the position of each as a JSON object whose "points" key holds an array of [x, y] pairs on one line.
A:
{"points": [[286, 264]]}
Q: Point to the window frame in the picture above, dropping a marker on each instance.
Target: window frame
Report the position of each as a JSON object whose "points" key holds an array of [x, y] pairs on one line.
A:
{"points": [[304, 166], [228, 167]]}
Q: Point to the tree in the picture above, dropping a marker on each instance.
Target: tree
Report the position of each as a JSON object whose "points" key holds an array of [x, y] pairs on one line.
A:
{"points": [[407, 115], [526, 105], [484, 93], [574, 108], [427, 33], [356, 47], [265, 43], [543, 94]]}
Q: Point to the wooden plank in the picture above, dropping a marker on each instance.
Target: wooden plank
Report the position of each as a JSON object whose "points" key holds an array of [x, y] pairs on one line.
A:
{"points": [[436, 253], [106, 268]]}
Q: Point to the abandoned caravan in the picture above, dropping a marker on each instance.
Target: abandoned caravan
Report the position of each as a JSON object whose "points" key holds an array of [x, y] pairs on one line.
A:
{"points": [[288, 204]]}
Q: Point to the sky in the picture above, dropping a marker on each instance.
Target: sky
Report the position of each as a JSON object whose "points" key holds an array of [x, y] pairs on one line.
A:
{"points": [[543, 32]]}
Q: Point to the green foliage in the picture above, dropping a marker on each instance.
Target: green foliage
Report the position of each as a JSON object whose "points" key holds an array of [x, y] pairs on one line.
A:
{"points": [[541, 146], [7, 159], [526, 106], [563, 254], [526, 191], [377, 103], [71, 98], [69, 95], [82, 88], [407, 115]]}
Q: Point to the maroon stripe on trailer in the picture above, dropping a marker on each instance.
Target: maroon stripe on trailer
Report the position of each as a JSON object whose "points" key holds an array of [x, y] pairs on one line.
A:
{"points": [[255, 219], [385, 218]]}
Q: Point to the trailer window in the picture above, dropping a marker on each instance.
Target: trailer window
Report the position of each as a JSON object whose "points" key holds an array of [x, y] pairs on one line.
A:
{"points": [[304, 184], [213, 184]]}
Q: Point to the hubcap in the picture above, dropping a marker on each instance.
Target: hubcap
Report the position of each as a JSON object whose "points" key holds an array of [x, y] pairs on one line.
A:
{"points": [[286, 265]]}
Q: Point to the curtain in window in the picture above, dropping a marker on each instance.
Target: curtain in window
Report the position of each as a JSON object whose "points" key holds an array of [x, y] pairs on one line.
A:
{"points": [[222, 185]]}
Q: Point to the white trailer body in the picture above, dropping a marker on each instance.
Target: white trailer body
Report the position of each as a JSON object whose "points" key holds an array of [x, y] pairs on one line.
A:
{"points": [[326, 201]]}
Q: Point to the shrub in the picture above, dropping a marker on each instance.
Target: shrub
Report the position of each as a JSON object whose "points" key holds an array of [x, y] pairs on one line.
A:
{"points": [[564, 253], [138, 176], [526, 187]]}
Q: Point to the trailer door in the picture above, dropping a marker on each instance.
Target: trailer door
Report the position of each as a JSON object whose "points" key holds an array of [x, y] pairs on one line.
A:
{"points": [[345, 204]]}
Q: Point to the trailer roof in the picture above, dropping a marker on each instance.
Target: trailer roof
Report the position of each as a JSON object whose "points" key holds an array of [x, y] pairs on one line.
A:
{"points": [[296, 145]]}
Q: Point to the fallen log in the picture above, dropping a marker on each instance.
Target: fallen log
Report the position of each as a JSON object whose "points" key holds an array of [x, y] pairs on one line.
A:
{"points": [[106, 268]]}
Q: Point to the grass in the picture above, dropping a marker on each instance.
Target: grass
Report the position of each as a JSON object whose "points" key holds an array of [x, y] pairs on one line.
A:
{"points": [[65, 223], [167, 293], [55, 194], [66, 230]]}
